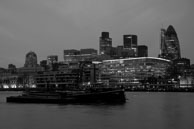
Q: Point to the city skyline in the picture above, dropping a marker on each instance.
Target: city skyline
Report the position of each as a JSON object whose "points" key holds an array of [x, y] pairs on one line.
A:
{"points": [[48, 27]]}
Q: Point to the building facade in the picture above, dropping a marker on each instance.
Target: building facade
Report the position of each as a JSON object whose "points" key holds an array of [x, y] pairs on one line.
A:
{"points": [[81, 73], [127, 70]]}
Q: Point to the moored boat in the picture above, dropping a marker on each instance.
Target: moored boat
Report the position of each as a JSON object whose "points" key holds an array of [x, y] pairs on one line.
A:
{"points": [[107, 95]]}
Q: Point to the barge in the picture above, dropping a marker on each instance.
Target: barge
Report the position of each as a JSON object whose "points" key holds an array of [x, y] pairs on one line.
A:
{"points": [[70, 97]]}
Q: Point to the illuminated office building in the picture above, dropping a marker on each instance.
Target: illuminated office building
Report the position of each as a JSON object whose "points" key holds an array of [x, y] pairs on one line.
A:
{"points": [[125, 70]]}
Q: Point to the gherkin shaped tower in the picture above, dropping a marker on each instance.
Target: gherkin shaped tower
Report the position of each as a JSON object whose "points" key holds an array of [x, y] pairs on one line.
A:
{"points": [[170, 47]]}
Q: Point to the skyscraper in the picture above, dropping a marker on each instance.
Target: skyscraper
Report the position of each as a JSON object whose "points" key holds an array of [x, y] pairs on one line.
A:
{"points": [[105, 43], [130, 42], [169, 48]]}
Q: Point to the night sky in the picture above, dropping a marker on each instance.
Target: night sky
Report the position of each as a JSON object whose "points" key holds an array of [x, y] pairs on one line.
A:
{"points": [[47, 27]]}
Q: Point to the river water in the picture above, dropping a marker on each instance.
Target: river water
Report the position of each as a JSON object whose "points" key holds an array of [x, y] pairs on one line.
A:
{"points": [[143, 110]]}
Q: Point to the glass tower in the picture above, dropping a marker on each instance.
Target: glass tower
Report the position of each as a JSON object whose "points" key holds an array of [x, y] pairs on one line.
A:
{"points": [[170, 48]]}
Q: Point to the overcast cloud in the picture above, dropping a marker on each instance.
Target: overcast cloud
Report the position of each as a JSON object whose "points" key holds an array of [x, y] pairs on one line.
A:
{"points": [[48, 27]]}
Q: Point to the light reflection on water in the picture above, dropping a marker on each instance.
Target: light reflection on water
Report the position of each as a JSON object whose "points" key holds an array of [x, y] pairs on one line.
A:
{"points": [[142, 110]]}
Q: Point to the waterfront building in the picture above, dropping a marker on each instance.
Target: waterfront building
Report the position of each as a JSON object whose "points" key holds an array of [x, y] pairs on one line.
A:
{"points": [[169, 48], [105, 43], [186, 82], [142, 51], [8, 80], [71, 76], [13, 79], [56, 79], [130, 42], [130, 69], [8, 77]]}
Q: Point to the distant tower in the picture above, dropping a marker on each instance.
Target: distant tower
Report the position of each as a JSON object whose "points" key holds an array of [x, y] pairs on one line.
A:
{"points": [[105, 43], [31, 60], [130, 42], [170, 48]]}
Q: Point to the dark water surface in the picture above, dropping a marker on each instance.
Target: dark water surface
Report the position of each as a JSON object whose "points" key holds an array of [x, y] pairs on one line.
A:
{"points": [[142, 110]]}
